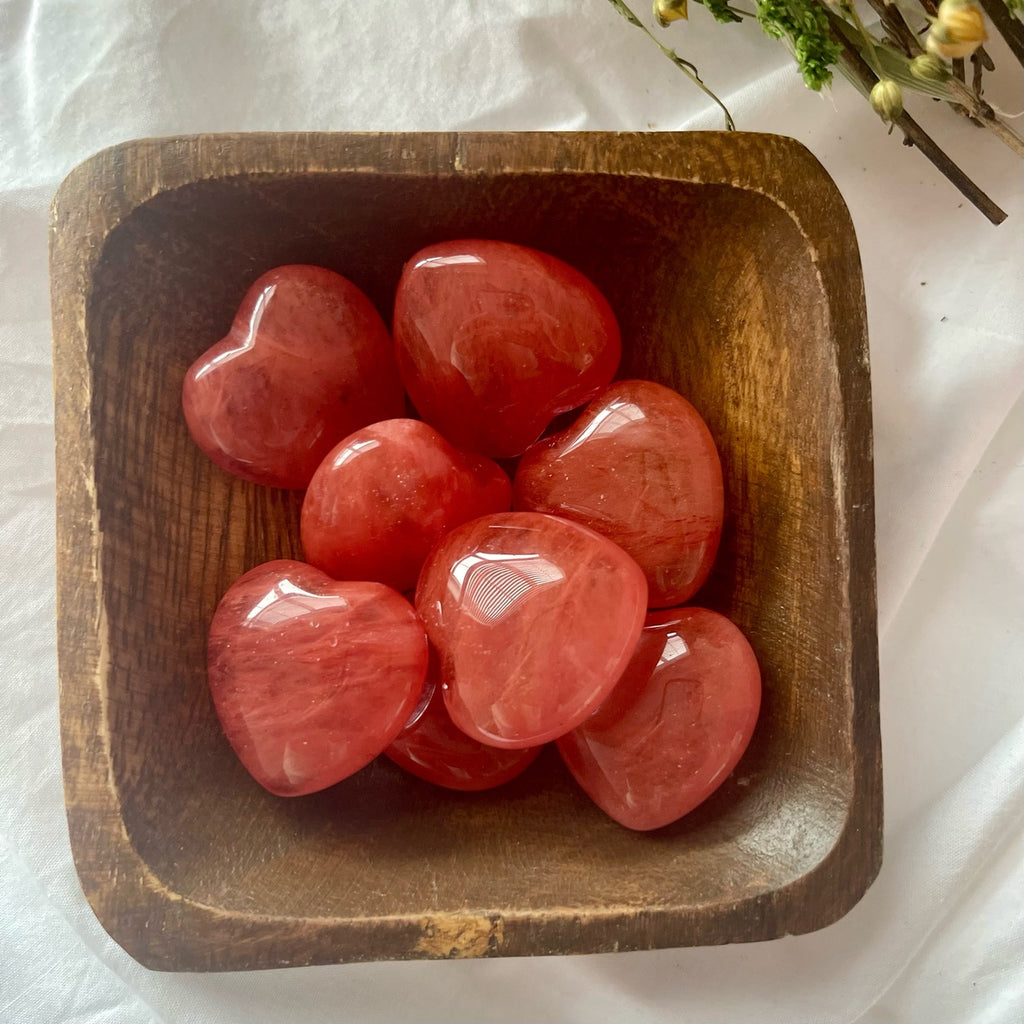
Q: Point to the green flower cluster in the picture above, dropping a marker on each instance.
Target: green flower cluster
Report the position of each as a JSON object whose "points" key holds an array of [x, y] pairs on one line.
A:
{"points": [[805, 24], [721, 11]]}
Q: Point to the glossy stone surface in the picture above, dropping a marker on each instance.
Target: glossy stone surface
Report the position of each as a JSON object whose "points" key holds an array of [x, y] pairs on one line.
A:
{"points": [[307, 361], [675, 725], [312, 678], [494, 340], [385, 495], [640, 467], [434, 749], [534, 619]]}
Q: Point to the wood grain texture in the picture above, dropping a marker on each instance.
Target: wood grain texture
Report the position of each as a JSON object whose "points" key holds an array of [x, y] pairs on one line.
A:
{"points": [[731, 262]]}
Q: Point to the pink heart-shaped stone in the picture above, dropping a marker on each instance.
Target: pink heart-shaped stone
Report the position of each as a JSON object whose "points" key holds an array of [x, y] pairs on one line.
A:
{"points": [[384, 497], [533, 618], [640, 467], [494, 340], [434, 749], [307, 361], [675, 725], [312, 678]]}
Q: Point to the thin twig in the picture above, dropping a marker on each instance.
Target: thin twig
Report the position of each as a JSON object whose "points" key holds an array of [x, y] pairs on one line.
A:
{"points": [[978, 67], [685, 66], [1009, 27], [915, 134], [688, 69], [981, 111], [960, 76], [895, 24]]}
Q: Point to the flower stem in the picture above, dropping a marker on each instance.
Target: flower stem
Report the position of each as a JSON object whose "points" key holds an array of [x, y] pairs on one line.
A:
{"points": [[685, 66], [869, 41]]}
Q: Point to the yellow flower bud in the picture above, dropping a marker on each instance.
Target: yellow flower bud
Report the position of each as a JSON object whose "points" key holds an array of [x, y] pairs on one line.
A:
{"points": [[958, 30], [887, 99], [666, 11], [929, 68]]}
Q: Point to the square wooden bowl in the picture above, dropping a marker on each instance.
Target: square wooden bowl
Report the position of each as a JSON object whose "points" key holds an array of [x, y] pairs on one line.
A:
{"points": [[731, 262]]}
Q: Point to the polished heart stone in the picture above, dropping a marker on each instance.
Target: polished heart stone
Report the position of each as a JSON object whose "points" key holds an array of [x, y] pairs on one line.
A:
{"points": [[433, 748], [675, 725], [533, 618], [494, 340], [312, 678], [385, 495], [640, 467], [307, 361]]}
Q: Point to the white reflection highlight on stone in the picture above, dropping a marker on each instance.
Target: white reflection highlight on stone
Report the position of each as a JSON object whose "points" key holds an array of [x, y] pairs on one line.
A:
{"points": [[674, 649], [493, 586], [608, 421]]}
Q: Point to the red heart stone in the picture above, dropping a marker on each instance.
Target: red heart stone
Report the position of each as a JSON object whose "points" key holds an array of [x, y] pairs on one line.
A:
{"points": [[307, 361], [674, 726], [385, 495], [640, 467], [534, 619], [311, 678], [494, 340], [433, 748]]}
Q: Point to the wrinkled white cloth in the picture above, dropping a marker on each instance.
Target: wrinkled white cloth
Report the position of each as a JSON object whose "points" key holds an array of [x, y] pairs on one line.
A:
{"points": [[939, 936]]}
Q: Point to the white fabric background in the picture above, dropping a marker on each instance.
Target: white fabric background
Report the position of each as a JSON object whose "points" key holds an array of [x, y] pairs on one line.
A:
{"points": [[939, 936]]}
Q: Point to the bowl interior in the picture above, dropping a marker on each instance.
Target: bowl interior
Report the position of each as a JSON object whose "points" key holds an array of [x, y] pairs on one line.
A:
{"points": [[718, 296]]}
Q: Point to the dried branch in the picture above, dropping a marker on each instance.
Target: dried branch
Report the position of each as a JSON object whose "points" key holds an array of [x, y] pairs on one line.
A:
{"points": [[1009, 27], [959, 95], [914, 134]]}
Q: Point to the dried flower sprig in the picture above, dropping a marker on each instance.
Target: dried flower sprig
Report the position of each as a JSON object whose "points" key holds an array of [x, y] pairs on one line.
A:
{"points": [[804, 24], [688, 69], [829, 34]]}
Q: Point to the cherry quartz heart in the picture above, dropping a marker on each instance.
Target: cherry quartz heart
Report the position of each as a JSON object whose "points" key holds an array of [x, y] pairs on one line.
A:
{"points": [[640, 467], [675, 725], [434, 749], [311, 678], [494, 340], [385, 495], [534, 619], [307, 361]]}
